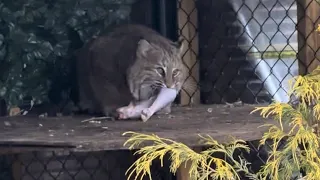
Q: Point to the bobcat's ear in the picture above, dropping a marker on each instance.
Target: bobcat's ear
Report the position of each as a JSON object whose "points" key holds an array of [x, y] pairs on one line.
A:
{"points": [[180, 45], [143, 48]]}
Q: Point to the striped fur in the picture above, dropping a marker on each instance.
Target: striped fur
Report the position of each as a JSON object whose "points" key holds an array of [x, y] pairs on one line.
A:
{"points": [[129, 62]]}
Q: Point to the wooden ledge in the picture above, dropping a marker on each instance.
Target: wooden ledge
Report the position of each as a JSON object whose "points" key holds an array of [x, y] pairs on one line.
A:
{"points": [[183, 125]]}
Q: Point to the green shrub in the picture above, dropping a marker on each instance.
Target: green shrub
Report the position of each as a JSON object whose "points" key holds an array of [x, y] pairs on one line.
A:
{"points": [[38, 38]]}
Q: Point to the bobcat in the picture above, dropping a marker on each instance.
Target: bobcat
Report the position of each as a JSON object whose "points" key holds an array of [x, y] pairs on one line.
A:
{"points": [[129, 63]]}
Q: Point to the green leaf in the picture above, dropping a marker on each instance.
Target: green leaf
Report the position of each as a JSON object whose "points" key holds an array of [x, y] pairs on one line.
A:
{"points": [[6, 14], [50, 22], [61, 48], [1, 39], [3, 53], [37, 41]]}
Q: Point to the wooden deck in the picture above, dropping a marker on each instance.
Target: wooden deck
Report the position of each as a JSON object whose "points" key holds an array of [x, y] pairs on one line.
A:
{"points": [[183, 125]]}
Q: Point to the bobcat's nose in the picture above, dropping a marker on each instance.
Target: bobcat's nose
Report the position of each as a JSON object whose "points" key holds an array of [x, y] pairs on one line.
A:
{"points": [[170, 85]]}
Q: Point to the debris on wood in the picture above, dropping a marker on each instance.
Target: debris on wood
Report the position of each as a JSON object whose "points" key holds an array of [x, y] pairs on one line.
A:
{"points": [[7, 123], [235, 104], [43, 115], [96, 118]]}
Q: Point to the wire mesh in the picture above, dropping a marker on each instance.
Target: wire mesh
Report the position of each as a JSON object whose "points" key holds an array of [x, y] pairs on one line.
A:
{"points": [[236, 50], [247, 50], [109, 165], [69, 165]]}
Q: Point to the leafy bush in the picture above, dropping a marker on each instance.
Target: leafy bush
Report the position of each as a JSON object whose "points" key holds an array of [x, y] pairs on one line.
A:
{"points": [[201, 163], [301, 151], [38, 38]]}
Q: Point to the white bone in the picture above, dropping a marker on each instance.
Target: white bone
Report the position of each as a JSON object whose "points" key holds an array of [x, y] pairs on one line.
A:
{"points": [[145, 109], [165, 97]]}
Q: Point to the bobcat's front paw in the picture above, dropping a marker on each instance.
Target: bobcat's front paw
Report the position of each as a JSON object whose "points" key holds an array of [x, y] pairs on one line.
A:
{"points": [[123, 112]]}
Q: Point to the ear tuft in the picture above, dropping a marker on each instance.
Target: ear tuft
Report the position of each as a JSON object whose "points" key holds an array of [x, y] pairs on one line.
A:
{"points": [[143, 47], [180, 45]]}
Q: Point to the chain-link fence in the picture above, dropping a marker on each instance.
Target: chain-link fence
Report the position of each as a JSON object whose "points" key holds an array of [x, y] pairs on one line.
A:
{"points": [[236, 50], [69, 165], [106, 165], [247, 49]]}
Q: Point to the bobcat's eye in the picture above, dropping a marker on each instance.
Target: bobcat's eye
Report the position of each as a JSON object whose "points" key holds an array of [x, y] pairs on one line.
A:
{"points": [[175, 72], [161, 71]]}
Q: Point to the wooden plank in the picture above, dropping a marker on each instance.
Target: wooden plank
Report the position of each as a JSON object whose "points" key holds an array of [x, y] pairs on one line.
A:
{"points": [[182, 125], [188, 23], [183, 171], [308, 38]]}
